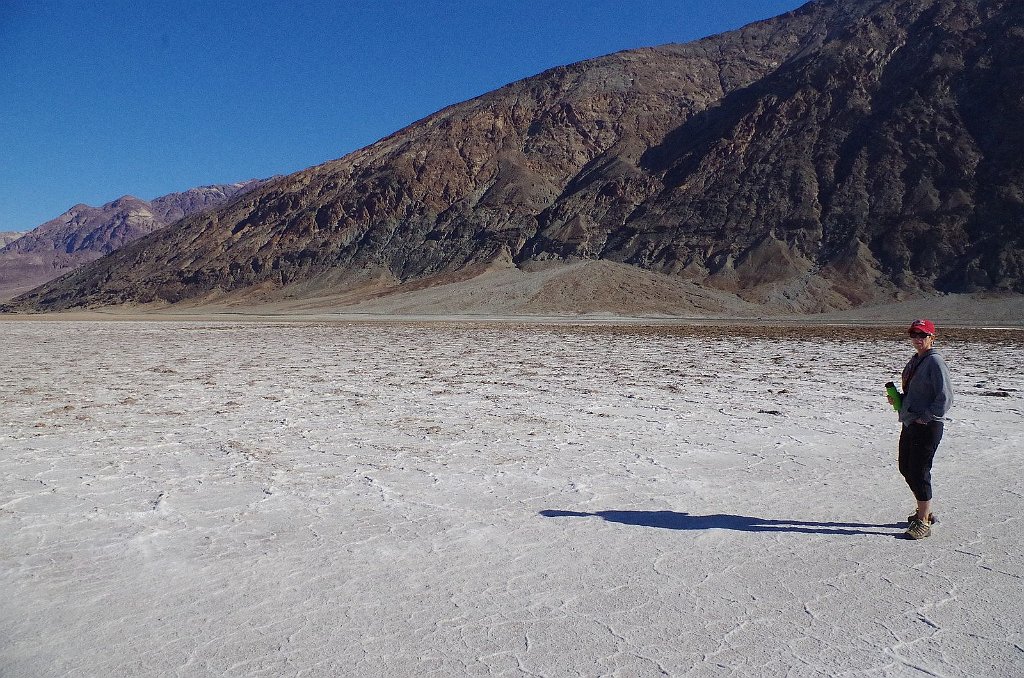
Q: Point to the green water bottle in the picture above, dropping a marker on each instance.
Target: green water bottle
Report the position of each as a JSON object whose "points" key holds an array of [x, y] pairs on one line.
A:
{"points": [[897, 399]]}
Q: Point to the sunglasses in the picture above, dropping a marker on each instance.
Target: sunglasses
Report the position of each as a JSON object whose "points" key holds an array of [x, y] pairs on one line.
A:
{"points": [[919, 335]]}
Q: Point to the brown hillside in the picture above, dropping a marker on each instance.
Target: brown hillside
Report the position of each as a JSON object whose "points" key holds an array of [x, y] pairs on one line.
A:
{"points": [[845, 153]]}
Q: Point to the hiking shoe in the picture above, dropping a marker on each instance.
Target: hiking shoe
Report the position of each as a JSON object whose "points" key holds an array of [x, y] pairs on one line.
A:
{"points": [[932, 519], [918, 530]]}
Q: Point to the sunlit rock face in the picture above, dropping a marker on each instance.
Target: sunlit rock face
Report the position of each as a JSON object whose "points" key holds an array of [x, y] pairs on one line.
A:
{"points": [[7, 237]]}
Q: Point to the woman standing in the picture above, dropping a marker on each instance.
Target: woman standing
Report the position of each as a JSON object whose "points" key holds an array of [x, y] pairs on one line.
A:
{"points": [[927, 396]]}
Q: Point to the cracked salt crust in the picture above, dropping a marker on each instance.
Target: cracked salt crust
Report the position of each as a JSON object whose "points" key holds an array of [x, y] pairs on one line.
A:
{"points": [[184, 498]]}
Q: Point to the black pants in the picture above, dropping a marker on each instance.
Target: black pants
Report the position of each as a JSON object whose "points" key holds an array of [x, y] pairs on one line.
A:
{"points": [[918, 443]]}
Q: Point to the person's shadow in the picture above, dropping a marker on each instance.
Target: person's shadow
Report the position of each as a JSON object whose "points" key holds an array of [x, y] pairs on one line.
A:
{"points": [[674, 520]]}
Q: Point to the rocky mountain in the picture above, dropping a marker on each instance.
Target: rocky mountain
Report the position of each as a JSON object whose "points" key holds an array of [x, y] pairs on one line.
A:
{"points": [[851, 151], [84, 233]]}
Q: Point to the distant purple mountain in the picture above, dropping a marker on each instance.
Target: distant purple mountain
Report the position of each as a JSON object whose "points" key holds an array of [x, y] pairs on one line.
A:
{"points": [[84, 233]]}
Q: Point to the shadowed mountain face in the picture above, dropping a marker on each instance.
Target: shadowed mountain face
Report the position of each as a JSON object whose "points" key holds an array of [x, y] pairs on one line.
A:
{"points": [[84, 234], [839, 154]]}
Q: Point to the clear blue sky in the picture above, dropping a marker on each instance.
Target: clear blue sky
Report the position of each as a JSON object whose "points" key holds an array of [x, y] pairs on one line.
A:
{"points": [[101, 98]]}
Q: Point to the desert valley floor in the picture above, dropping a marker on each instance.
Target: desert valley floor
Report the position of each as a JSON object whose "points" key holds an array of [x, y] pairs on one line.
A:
{"points": [[498, 499]]}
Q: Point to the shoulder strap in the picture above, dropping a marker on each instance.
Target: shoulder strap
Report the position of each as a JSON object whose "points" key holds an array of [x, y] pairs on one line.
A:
{"points": [[915, 363]]}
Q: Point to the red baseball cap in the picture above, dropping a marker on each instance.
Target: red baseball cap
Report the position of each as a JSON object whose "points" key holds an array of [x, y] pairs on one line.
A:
{"points": [[926, 326]]}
